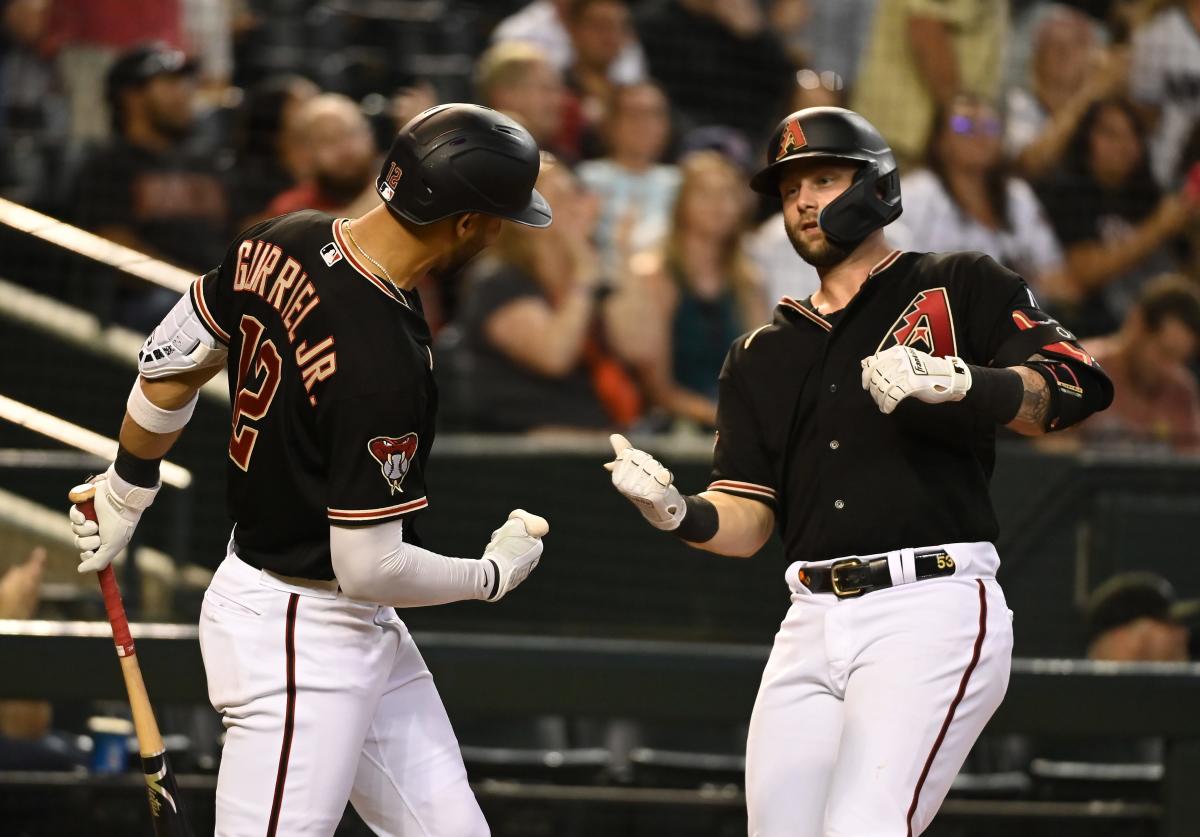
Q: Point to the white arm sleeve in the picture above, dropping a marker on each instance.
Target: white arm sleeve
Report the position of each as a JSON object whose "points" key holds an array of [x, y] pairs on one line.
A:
{"points": [[372, 563]]}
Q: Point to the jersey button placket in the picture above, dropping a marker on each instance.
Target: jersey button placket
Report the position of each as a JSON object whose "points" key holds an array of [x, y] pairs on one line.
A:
{"points": [[834, 444], [839, 504]]}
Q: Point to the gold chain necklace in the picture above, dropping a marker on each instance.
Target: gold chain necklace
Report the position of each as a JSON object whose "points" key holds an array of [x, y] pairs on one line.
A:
{"points": [[358, 247]]}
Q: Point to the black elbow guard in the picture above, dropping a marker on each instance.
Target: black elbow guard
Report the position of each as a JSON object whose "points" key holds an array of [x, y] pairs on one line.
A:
{"points": [[1075, 392]]}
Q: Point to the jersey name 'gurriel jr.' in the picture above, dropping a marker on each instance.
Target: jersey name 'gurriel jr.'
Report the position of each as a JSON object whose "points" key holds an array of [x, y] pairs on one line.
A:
{"points": [[293, 297]]}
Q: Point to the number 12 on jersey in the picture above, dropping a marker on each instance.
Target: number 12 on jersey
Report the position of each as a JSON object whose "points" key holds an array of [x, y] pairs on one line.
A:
{"points": [[259, 365]]}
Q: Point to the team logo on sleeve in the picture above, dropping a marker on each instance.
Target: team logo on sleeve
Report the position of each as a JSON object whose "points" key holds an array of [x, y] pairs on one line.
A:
{"points": [[395, 457], [926, 324]]}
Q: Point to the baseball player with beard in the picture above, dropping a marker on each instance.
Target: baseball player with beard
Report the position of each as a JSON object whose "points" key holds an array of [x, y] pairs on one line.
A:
{"points": [[324, 695], [861, 423]]}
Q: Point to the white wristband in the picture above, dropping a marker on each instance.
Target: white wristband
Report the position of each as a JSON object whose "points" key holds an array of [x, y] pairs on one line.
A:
{"points": [[153, 418]]}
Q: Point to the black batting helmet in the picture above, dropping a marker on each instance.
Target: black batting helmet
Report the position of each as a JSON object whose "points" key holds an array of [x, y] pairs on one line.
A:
{"points": [[873, 199], [463, 158]]}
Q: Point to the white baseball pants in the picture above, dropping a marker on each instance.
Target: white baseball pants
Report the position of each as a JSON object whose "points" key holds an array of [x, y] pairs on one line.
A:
{"points": [[325, 699], [868, 706]]}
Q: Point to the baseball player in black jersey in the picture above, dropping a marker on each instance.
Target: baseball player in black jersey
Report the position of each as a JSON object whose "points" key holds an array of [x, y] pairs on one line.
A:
{"points": [[862, 423], [324, 695]]}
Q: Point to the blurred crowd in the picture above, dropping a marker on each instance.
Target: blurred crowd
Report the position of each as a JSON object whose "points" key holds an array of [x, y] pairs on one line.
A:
{"points": [[1063, 139]]}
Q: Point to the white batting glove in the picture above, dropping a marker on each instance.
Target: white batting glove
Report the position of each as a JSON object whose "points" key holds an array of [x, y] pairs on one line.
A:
{"points": [[901, 371], [647, 484], [119, 506], [515, 549]]}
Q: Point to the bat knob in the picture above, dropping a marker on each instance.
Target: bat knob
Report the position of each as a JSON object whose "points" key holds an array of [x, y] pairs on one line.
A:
{"points": [[82, 493], [535, 527]]}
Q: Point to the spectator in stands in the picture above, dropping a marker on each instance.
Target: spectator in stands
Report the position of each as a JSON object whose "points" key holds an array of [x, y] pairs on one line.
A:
{"points": [[208, 29], [519, 80], [33, 114], [545, 23], [700, 293], [1156, 398], [1137, 617], [25, 723], [966, 199], [919, 56], [533, 326], [19, 586], [1165, 77], [340, 150], [1068, 70], [718, 60], [1112, 219], [409, 100], [600, 30], [834, 36], [269, 157], [146, 188], [1187, 174], [87, 36], [636, 190], [1132, 617]]}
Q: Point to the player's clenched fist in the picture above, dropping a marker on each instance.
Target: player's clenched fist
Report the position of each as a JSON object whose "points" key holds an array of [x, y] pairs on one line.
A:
{"points": [[896, 373], [515, 549], [119, 507], [646, 483]]}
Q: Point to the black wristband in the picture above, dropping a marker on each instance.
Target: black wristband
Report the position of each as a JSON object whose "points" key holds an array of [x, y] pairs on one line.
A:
{"points": [[996, 393], [135, 470], [700, 521]]}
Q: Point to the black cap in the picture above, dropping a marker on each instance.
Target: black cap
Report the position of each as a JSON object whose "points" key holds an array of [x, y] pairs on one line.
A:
{"points": [[458, 158], [1127, 597], [145, 61]]}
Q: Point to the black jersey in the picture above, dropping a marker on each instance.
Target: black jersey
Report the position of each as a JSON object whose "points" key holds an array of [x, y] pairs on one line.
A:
{"points": [[797, 431], [331, 384]]}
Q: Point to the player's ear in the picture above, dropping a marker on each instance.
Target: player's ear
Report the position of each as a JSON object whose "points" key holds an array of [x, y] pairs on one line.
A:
{"points": [[467, 224], [476, 224]]}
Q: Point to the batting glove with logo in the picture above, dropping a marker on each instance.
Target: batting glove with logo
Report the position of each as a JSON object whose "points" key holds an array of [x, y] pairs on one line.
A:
{"points": [[119, 507], [647, 484], [514, 550], [901, 371]]}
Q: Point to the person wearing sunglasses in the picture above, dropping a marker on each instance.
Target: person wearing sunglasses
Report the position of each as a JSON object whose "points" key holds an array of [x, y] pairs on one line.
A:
{"points": [[967, 199]]}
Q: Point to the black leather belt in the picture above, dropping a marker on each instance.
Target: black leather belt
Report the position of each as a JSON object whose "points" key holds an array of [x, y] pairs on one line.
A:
{"points": [[855, 576]]}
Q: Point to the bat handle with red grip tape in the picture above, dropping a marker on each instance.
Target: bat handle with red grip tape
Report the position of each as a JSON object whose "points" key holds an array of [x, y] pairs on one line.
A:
{"points": [[84, 499]]}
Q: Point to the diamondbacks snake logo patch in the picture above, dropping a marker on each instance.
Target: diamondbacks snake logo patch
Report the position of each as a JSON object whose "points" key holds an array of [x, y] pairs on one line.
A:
{"points": [[395, 457]]}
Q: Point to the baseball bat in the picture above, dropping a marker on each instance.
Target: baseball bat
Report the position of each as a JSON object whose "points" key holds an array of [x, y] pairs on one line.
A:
{"points": [[166, 812]]}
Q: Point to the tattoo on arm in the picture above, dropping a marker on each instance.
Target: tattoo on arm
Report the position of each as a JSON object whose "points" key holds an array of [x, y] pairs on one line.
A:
{"points": [[1035, 405]]}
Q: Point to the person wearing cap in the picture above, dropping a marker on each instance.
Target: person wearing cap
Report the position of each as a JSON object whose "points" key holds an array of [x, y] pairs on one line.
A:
{"points": [[147, 187], [861, 422], [1137, 616], [324, 695]]}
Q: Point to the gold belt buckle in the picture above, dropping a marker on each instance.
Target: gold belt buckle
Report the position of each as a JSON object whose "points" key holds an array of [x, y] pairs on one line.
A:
{"points": [[838, 590]]}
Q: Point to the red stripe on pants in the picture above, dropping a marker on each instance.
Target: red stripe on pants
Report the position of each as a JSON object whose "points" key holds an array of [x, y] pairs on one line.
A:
{"points": [[289, 718], [962, 690]]}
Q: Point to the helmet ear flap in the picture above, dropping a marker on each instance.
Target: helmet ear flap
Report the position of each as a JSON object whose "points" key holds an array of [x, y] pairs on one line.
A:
{"points": [[860, 210]]}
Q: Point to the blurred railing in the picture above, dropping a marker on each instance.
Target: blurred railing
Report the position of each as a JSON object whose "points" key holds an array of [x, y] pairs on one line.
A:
{"points": [[497, 677]]}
